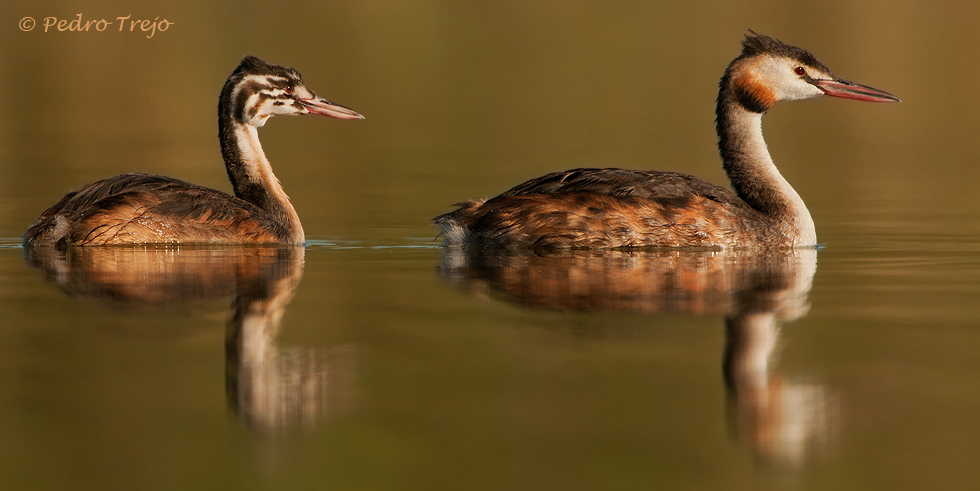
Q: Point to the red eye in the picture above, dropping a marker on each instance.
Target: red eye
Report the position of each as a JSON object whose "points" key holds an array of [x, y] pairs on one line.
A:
{"points": [[800, 71], [289, 89]]}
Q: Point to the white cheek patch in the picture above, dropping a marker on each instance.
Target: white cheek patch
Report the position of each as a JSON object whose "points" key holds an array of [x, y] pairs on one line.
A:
{"points": [[267, 99], [780, 75]]}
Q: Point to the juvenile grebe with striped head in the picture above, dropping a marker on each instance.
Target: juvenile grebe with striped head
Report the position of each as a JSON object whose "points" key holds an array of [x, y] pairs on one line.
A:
{"points": [[143, 208], [611, 208]]}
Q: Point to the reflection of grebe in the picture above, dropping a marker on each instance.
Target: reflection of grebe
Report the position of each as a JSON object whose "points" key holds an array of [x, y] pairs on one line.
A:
{"points": [[661, 281], [608, 208], [268, 386], [783, 421], [142, 208]]}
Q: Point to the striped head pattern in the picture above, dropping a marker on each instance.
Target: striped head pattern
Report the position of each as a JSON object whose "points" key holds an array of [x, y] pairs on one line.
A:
{"points": [[258, 90]]}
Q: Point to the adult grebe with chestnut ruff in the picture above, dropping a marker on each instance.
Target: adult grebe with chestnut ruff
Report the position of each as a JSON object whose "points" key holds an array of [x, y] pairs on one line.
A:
{"points": [[612, 208]]}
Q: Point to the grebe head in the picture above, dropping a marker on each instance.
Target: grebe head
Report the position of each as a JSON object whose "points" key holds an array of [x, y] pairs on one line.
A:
{"points": [[769, 70], [258, 90]]}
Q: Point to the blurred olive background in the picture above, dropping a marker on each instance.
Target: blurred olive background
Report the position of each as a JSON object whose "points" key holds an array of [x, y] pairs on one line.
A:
{"points": [[464, 99]]}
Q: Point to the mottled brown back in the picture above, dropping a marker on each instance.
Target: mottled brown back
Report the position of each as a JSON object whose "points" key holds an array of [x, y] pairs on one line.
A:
{"points": [[607, 208], [143, 208]]}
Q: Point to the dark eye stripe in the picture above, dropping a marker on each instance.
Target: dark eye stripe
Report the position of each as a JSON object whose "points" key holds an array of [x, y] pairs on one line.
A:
{"points": [[251, 87], [241, 99]]}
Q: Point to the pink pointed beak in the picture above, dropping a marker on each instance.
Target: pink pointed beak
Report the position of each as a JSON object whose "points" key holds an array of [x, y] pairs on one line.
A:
{"points": [[851, 90], [327, 108]]}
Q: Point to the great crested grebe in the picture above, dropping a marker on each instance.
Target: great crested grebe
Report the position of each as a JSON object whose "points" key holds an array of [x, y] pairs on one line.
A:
{"points": [[609, 208], [143, 208]]}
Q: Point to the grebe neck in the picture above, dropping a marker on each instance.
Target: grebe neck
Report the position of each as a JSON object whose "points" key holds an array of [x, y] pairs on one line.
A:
{"points": [[251, 175], [753, 174]]}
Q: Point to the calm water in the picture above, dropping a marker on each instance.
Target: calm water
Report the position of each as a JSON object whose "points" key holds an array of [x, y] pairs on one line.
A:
{"points": [[371, 359]]}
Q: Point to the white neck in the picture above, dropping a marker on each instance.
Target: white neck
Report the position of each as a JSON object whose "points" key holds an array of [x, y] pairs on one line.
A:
{"points": [[257, 183], [754, 175]]}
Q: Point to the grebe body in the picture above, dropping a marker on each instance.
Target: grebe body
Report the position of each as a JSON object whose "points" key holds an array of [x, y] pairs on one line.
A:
{"points": [[143, 208], [612, 208]]}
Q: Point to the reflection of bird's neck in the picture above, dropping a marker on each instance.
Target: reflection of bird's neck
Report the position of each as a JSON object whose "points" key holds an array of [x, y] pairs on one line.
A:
{"points": [[248, 168], [272, 387], [260, 303], [783, 421], [751, 170], [750, 342]]}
